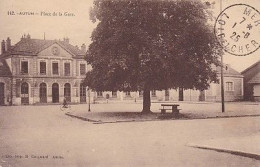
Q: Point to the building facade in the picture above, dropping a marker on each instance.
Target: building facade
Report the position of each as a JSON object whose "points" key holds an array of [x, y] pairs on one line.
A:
{"points": [[252, 82], [233, 90], [42, 71], [47, 71]]}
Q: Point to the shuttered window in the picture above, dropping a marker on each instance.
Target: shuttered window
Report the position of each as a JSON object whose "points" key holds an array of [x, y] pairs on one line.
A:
{"points": [[43, 68], [55, 68], [24, 67], [67, 69]]}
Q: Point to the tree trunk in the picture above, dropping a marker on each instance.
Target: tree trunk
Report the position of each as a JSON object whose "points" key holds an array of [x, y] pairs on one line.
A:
{"points": [[146, 102]]}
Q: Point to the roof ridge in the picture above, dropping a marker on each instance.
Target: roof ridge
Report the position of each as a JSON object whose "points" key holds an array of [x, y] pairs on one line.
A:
{"points": [[248, 68], [35, 46]]}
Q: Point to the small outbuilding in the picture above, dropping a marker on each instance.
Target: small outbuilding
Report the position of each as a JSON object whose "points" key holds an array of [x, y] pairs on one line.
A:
{"points": [[252, 82]]}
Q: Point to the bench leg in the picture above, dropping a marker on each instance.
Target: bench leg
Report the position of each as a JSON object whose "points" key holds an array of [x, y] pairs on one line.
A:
{"points": [[163, 111], [175, 111]]}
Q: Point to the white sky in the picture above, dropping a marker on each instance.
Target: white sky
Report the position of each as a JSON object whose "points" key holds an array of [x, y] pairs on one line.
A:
{"points": [[79, 27]]}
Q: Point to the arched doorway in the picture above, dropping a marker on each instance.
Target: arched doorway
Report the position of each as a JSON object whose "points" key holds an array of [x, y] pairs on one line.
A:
{"points": [[82, 93], [55, 93], [67, 92], [25, 93], [43, 93], [2, 93]]}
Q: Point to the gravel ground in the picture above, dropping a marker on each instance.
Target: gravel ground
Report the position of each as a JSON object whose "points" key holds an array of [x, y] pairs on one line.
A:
{"points": [[107, 113]]}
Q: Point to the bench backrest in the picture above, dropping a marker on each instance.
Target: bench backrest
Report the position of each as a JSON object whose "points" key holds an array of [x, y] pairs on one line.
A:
{"points": [[169, 104]]}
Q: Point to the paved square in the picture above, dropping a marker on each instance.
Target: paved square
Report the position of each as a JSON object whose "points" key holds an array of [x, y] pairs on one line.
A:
{"points": [[50, 138]]}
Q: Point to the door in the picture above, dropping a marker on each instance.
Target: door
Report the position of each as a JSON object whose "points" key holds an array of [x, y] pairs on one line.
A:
{"points": [[2, 93], [180, 94], [43, 93], [55, 93], [82, 93], [167, 94], [25, 93], [67, 92]]}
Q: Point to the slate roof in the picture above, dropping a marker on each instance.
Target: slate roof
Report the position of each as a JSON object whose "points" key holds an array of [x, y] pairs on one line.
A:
{"points": [[28, 46], [4, 69]]}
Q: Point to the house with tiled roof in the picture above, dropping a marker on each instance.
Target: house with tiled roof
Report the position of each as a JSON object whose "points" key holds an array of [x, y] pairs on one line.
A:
{"points": [[252, 82], [42, 71], [233, 85], [233, 89]]}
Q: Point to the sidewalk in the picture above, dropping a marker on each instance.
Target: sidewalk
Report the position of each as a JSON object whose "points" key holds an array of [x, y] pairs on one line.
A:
{"points": [[248, 146]]}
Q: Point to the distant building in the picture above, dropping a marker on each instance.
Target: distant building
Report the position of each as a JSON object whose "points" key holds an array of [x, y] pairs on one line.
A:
{"points": [[233, 87], [252, 82], [47, 71], [41, 71]]}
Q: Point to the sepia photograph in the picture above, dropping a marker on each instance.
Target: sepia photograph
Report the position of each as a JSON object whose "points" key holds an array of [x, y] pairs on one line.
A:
{"points": [[130, 83]]}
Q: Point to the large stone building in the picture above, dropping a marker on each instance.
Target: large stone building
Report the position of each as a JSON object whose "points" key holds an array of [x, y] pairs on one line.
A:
{"points": [[252, 82], [233, 89], [46, 71], [42, 71]]}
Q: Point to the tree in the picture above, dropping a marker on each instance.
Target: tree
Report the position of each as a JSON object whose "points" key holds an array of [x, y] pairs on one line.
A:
{"points": [[151, 45]]}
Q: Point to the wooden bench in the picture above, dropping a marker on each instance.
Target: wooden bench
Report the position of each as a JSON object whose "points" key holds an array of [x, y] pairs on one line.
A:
{"points": [[173, 107]]}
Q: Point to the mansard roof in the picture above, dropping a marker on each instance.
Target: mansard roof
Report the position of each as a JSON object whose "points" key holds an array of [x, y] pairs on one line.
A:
{"points": [[4, 69], [31, 47]]}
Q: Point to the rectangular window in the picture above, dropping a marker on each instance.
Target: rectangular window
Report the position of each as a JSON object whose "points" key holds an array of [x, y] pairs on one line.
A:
{"points": [[55, 68], [43, 68], [114, 94], [127, 93], [99, 94], [24, 67], [67, 69], [167, 93], [82, 69], [229, 86], [153, 93]]}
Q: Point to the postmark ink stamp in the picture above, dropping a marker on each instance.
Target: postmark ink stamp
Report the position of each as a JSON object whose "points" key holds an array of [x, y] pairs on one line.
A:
{"points": [[237, 29]]}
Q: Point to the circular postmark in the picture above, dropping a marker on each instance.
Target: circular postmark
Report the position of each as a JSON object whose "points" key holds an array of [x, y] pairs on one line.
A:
{"points": [[237, 29]]}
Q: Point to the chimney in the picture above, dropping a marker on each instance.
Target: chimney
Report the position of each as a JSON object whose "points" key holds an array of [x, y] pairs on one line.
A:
{"points": [[3, 46], [8, 44], [83, 48], [67, 40]]}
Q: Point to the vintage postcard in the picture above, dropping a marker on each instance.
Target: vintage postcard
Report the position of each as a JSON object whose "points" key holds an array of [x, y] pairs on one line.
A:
{"points": [[144, 83]]}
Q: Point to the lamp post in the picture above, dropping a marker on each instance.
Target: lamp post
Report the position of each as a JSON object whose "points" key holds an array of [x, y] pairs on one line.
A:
{"points": [[89, 100], [222, 77]]}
